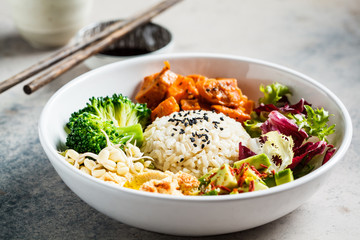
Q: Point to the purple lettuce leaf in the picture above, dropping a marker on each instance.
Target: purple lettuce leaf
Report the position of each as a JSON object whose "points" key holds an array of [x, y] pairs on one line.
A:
{"points": [[331, 150], [297, 108], [308, 150], [245, 152], [280, 123]]}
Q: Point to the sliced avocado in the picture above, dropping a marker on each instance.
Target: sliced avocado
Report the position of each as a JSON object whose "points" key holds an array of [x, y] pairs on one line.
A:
{"points": [[261, 162], [250, 176], [260, 186], [270, 181], [204, 180], [224, 177], [284, 176]]}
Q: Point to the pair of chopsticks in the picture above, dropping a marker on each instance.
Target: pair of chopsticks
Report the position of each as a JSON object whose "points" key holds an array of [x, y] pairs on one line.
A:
{"points": [[70, 56]]}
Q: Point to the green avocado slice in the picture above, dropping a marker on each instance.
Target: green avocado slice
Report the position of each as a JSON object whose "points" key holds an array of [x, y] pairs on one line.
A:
{"points": [[261, 162], [284, 176], [224, 177]]}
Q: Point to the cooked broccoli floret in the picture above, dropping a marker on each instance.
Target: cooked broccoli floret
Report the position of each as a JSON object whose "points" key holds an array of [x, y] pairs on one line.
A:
{"points": [[87, 135], [117, 116], [117, 108]]}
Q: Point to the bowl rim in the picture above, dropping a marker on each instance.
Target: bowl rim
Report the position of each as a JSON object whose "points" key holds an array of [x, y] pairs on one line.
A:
{"points": [[339, 154]]}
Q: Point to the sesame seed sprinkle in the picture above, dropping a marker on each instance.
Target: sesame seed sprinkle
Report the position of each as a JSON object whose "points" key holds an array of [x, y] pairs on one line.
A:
{"points": [[190, 118], [194, 134]]}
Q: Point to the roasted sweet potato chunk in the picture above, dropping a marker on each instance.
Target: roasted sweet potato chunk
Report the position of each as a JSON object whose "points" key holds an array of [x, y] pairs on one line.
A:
{"points": [[166, 92], [154, 87], [248, 106], [220, 91], [238, 114], [183, 88], [194, 104], [190, 104], [197, 77], [165, 108]]}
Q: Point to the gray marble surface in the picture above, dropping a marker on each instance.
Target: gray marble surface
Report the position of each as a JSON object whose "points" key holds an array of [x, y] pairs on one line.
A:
{"points": [[320, 38]]}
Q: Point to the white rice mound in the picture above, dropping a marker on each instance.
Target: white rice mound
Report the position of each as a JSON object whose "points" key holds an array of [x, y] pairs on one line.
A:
{"points": [[194, 141]]}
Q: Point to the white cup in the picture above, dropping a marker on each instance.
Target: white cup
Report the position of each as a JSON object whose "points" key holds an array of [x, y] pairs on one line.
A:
{"points": [[49, 23]]}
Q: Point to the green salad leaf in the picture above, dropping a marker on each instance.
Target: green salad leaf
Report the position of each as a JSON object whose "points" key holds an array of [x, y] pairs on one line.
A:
{"points": [[252, 127], [315, 123], [273, 93]]}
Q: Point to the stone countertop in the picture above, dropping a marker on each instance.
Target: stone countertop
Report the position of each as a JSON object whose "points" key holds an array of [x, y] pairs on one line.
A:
{"points": [[320, 38]]}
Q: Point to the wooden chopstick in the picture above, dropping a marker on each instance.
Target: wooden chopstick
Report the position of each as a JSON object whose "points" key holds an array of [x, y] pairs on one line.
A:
{"points": [[56, 57], [70, 56], [76, 58]]}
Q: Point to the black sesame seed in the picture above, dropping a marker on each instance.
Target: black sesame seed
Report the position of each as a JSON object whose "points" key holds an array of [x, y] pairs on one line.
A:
{"points": [[206, 130], [221, 118], [195, 145], [172, 134], [202, 145], [182, 159], [175, 129], [192, 139], [208, 142], [221, 129]]}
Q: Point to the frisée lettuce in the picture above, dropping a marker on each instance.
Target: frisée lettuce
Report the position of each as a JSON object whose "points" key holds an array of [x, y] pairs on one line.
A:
{"points": [[307, 127]]}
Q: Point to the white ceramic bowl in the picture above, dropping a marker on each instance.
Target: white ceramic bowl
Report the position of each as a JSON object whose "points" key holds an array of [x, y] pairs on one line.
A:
{"points": [[188, 215]]}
